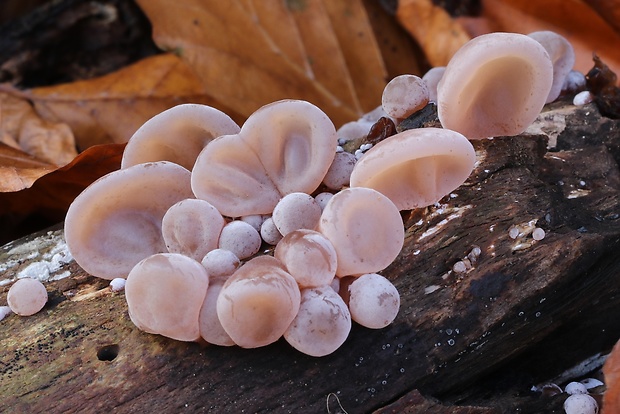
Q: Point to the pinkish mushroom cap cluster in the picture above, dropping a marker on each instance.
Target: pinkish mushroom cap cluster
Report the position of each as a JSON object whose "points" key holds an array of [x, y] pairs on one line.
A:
{"points": [[198, 197]]}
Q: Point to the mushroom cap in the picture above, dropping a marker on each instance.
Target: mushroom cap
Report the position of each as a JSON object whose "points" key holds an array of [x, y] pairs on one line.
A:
{"points": [[178, 135], [240, 238], [27, 296], [404, 95], [322, 323], [432, 78], [258, 302], [220, 263], [192, 227], [417, 167], [496, 84], [562, 56], [308, 256], [211, 329], [339, 172], [296, 211], [283, 147], [373, 301], [365, 228], [116, 221], [164, 295], [269, 232]]}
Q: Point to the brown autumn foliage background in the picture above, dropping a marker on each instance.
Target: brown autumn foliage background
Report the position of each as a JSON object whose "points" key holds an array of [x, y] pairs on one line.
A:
{"points": [[239, 55]]}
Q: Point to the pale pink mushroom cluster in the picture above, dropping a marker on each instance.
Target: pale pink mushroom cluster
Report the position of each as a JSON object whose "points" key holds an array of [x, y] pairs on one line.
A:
{"points": [[185, 224], [496, 84]]}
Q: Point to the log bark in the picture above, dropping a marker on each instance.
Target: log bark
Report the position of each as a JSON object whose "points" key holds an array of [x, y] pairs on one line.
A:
{"points": [[525, 311]]}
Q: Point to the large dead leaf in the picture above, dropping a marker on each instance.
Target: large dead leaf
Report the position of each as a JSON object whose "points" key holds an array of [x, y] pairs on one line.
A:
{"points": [[440, 35], [249, 53], [19, 170], [110, 108]]}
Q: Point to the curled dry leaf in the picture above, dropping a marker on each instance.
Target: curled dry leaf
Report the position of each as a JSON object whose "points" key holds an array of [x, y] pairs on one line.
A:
{"points": [[46, 190], [42, 143], [109, 109], [249, 53], [585, 26]]}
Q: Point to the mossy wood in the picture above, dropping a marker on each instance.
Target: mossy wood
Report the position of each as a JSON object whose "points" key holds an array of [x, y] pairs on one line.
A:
{"points": [[524, 313]]}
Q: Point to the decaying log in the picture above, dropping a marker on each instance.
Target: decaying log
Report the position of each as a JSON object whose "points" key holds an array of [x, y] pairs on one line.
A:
{"points": [[522, 314]]}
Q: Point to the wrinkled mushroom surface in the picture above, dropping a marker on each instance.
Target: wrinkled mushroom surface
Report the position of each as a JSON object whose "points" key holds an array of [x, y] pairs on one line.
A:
{"points": [[496, 84], [417, 167], [258, 302], [116, 221], [178, 135], [164, 295], [357, 221], [283, 147], [322, 323]]}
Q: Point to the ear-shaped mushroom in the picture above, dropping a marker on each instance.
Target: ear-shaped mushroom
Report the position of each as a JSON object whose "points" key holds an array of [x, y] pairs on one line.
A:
{"points": [[178, 135], [192, 227], [322, 323], [164, 295], [496, 84], [116, 221], [283, 147], [365, 228], [258, 302], [562, 56], [417, 167], [211, 329]]}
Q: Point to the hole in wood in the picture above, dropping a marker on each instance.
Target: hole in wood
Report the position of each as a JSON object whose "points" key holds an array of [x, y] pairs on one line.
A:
{"points": [[107, 353]]}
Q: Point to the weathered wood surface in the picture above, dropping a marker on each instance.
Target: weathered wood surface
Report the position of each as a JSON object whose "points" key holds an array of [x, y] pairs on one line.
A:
{"points": [[524, 313]]}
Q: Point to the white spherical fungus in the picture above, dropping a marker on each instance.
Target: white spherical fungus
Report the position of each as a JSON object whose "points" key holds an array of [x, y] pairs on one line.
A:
{"points": [[296, 211], [254, 220], [538, 234], [339, 172], [404, 95], [27, 297], [575, 388], [308, 256], [373, 301], [580, 404], [322, 323], [211, 329], [117, 284], [192, 227], [258, 302], [240, 238], [269, 232], [164, 295], [322, 199], [220, 263]]}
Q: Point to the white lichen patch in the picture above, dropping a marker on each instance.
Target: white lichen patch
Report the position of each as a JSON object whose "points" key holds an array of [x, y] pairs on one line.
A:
{"points": [[551, 123], [453, 213], [41, 258]]}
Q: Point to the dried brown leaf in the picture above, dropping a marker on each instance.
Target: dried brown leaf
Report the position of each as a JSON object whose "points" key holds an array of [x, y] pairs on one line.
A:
{"points": [[436, 32], [22, 129], [110, 108], [18, 170], [247, 57]]}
